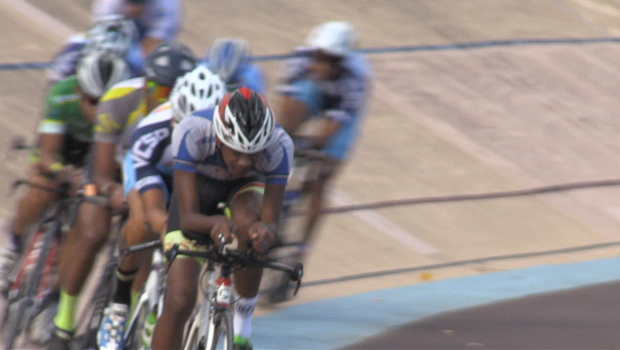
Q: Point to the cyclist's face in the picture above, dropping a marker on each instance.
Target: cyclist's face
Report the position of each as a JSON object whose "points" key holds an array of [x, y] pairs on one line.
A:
{"points": [[88, 106], [238, 163], [325, 66], [157, 94]]}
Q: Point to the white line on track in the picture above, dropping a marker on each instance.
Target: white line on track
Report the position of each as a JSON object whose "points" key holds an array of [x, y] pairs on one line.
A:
{"points": [[41, 18], [384, 225]]}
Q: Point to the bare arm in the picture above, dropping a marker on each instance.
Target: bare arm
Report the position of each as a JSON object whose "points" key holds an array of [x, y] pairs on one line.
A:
{"points": [[186, 188], [154, 203]]}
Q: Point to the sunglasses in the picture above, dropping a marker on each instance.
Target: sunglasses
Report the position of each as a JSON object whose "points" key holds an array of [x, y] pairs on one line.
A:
{"points": [[91, 100], [159, 92], [320, 56]]}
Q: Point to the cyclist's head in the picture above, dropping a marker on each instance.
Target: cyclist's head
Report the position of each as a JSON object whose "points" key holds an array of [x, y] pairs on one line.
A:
{"points": [[333, 38], [111, 33], [243, 121], [198, 89], [164, 65], [330, 43], [99, 71], [225, 56]]}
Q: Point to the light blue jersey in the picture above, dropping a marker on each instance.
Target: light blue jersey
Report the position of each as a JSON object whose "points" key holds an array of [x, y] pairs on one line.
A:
{"points": [[343, 99]]}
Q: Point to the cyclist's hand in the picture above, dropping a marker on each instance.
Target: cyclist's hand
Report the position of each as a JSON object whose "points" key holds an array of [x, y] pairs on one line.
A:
{"points": [[223, 226], [262, 237]]}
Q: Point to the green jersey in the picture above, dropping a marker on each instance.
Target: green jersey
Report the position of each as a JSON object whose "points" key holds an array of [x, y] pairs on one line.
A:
{"points": [[64, 114]]}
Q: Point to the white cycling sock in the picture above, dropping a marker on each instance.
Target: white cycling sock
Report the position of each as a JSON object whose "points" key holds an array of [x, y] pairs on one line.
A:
{"points": [[242, 320]]}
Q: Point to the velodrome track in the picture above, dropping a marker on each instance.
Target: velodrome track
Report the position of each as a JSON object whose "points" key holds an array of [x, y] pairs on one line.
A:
{"points": [[442, 122]]}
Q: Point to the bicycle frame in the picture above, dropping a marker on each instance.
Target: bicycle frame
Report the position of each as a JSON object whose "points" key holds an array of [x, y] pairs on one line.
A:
{"points": [[217, 294]]}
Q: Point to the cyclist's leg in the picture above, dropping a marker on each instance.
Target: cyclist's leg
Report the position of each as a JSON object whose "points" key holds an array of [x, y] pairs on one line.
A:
{"points": [[29, 209], [246, 206], [316, 191], [90, 233], [181, 292]]}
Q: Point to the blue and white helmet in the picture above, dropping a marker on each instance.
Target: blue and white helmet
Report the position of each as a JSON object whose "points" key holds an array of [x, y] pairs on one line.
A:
{"points": [[111, 33], [226, 56], [334, 38]]}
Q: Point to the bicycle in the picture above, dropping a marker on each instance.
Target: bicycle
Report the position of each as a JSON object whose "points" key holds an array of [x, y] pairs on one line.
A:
{"points": [[211, 326], [34, 280], [151, 301], [290, 245]]}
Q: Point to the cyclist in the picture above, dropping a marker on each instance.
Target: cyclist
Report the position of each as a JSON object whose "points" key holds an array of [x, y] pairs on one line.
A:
{"points": [[111, 33], [228, 58], [236, 154], [65, 134], [157, 21], [151, 158], [325, 79], [118, 114]]}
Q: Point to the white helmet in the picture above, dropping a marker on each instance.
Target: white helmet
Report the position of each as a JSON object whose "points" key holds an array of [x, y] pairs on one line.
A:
{"points": [[111, 33], [243, 121], [225, 56], [98, 71], [335, 38], [197, 89]]}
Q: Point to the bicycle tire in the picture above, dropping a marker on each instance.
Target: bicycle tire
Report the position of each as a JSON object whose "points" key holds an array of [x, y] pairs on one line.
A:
{"points": [[100, 301], [24, 313], [134, 337], [222, 325]]}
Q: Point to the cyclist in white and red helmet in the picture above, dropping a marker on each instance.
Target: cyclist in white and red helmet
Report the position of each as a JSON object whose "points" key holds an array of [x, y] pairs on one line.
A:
{"points": [[237, 154], [148, 172]]}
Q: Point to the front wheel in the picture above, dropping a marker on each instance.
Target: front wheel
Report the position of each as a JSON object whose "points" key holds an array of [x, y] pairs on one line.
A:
{"points": [[221, 335]]}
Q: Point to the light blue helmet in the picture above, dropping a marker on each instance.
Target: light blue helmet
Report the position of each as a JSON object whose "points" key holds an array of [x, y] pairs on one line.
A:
{"points": [[225, 56]]}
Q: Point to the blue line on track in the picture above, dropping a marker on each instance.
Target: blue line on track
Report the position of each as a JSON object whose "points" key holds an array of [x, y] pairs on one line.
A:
{"points": [[336, 322], [385, 50]]}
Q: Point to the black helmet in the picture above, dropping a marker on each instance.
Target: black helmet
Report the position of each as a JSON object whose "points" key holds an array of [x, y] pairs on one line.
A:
{"points": [[167, 62]]}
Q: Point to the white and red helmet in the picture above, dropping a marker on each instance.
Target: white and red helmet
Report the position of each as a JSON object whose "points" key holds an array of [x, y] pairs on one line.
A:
{"points": [[243, 121]]}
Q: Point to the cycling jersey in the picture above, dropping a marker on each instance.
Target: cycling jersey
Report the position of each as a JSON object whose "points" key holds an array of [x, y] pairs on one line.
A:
{"points": [[151, 154], [342, 99], [194, 148], [64, 117], [65, 62], [120, 110], [64, 114]]}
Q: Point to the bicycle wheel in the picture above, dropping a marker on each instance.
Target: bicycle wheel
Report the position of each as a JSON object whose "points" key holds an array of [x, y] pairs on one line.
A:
{"points": [[100, 300], [140, 331], [22, 309], [221, 333]]}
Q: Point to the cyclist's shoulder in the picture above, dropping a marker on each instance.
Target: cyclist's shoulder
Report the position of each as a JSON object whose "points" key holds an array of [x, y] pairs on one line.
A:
{"points": [[63, 92], [161, 114]]}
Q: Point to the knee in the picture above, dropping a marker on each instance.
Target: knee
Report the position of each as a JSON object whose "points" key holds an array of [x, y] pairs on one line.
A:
{"points": [[179, 304]]}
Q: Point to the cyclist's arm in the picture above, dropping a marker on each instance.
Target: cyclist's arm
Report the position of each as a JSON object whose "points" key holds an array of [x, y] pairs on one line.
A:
{"points": [[104, 170], [186, 188], [291, 115], [154, 203], [50, 148]]}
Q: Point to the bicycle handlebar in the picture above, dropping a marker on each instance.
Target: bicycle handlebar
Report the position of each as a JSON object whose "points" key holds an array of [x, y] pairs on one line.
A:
{"points": [[229, 256], [64, 190]]}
